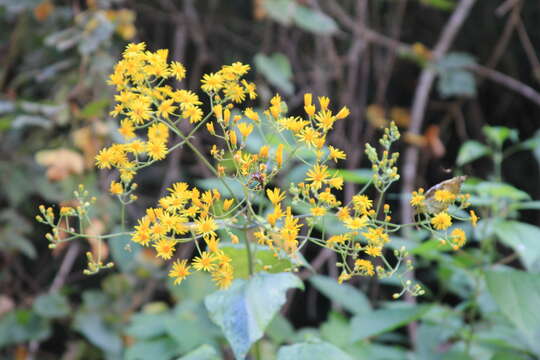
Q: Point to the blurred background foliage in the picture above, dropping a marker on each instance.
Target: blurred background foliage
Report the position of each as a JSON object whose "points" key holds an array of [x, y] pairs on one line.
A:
{"points": [[481, 120]]}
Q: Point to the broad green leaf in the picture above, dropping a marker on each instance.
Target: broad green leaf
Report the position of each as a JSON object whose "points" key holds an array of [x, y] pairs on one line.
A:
{"points": [[336, 330], [384, 320], [492, 189], [161, 348], [147, 326], [280, 329], [312, 351], [53, 305], [245, 309], [454, 79], [523, 238], [203, 352], [190, 326], [314, 21], [346, 295], [92, 325], [277, 70], [20, 326], [470, 151], [124, 252], [358, 176], [196, 287], [517, 294], [264, 260], [497, 135], [526, 205]]}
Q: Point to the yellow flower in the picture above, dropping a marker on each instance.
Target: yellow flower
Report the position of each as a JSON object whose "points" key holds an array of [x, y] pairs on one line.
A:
{"points": [[165, 248], [205, 226], [343, 113], [317, 175], [324, 101], [223, 277], [212, 82], [343, 277], [474, 218], [235, 92], [178, 70], [205, 262], [193, 113], [441, 221], [263, 152], [355, 222], [336, 182], [179, 271], [365, 267], [166, 108], [279, 155], [210, 128], [158, 133], [376, 236], [156, 150], [116, 188], [275, 196], [251, 89], [418, 198], [245, 129], [362, 203], [232, 137], [318, 211], [373, 251], [227, 203], [127, 130], [336, 154], [444, 196], [250, 114], [458, 238]]}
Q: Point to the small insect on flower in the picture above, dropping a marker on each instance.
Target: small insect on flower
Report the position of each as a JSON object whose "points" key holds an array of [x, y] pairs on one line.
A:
{"points": [[257, 181], [439, 197]]}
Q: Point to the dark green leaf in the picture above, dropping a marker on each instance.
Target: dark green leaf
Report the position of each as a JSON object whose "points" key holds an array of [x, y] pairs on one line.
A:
{"points": [[498, 135], [345, 295], [21, 326], [454, 79], [470, 151], [53, 305], [384, 320]]}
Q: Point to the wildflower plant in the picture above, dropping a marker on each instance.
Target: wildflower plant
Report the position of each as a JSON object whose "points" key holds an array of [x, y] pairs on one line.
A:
{"points": [[249, 204]]}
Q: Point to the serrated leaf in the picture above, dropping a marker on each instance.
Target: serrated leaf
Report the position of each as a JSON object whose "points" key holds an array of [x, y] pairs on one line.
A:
{"points": [[384, 320], [277, 70], [245, 309], [470, 151], [314, 21], [53, 305], [345, 295], [312, 351], [523, 238], [517, 294]]}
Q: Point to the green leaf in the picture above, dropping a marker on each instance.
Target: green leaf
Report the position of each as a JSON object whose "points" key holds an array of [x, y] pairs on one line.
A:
{"points": [[245, 309], [312, 351], [280, 330], [336, 330], [280, 10], [517, 294], [523, 238], [527, 205], [445, 5], [217, 183], [53, 305], [277, 70], [314, 21], [264, 259], [92, 325], [454, 79], [190, 326], [357, 176], [196, 287], [384, 320], [499, 190], [345, 295], [162, 348], [147, 326], [499, 134], [470, 151], [95, 108], [124, 252], [203, 352], [21, 326]]}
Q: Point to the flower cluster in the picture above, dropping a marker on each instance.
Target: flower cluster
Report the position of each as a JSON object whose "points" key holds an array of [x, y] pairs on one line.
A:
{"points": [[252, 146]]}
